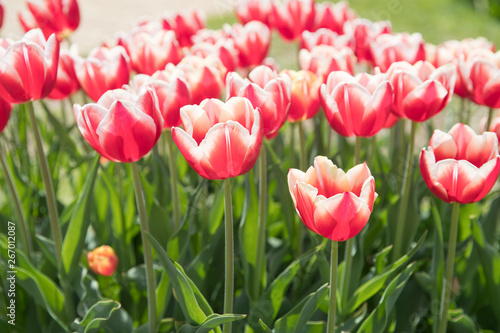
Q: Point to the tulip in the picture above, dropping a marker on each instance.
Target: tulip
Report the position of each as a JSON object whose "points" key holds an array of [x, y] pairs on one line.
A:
{"points": [[255, 10], [460, 166], [332, 16], [356, 106], [324, 59], [223, 48], [252, 42], [484, 76], [387, 49], [60, 17], [304, 102], [172, 91], [267, 91], [420, 90], [2, 12], [102, 260], [104, 69], [5, 110], [204, 75], [121, 126], [185, 24], [293, 17], [28, 67], [220, 140], [151, 51], [66, 81], [330, 202], [323, 36], [363, 32]]}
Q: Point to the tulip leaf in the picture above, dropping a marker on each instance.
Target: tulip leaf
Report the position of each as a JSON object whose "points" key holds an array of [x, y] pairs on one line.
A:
{"points": [[47, 247], [80, 220], [378, 319], [296, 319], [264, 327], [437, 265], [460, 322], [104, 315], [212, 322], [182, 285]]}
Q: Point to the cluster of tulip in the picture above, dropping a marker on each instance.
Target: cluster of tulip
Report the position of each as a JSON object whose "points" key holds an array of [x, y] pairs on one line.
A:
{"points": [[166, 77]]}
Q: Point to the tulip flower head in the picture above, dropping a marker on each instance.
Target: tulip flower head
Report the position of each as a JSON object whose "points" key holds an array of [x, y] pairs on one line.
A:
{"points": [[223, 48], [66, 81], [324, 59], [255, 10], [59, 17], [220, 140], [333, 203], [251, 40], [323, 36], [185, 24], [387, 49], [304, 103], [293, 17], [102, 260], [333, 16], [485, 78], [363, 32], [28, 67], [460, 166], [420, 90], [357, 106], [121, 126], [266, 90]]}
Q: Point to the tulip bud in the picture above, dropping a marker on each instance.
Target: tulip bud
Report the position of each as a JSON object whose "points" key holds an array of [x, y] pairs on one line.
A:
{"points": [[102, 260]]}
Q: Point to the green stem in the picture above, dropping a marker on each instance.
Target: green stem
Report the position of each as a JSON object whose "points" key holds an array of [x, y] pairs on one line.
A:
{"points": [[47, 183], [490, 118], [260, 262], [332, 309], [403, 204], [229, 249], [373, 146], [148, 255], [357, 151], [18, 208], [303, 153], [173, 181], [450, 262]]}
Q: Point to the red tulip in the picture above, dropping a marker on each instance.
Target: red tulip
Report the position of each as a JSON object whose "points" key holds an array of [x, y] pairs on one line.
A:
{"points": [[104, 69], [252, 42], [333, 16], [66, 81], [324, 59], [60, 17], [121, 126], [223, 48], [255, 10], [151, 51], [484, 75], [356, 106], [420, 90], [102, 260], [220, 140], [204, 75], [293, 17], [387, 49], [323, 36], [330, 202], [304, 103], [5, 110], [267, 91], [460, 166], [172, 91], [28, 67], [185, 24], [363, 32]]}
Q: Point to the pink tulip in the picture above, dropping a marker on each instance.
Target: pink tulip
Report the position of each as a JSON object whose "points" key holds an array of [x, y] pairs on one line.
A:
{"points": [[304, 103], [220, 140], [255, 10], [357, 106], [333, 203], [363, 32], [323, 36], [59, 17], [293, 17], [484, 69], [387, 49], [333, 16], [28, 67], [460, 166], [66, 81], [252, 42], [102, 260], [223, 48], [420, 90], [185, 24], [104, 69], [324, 59], [121, 126], [267, 91]]}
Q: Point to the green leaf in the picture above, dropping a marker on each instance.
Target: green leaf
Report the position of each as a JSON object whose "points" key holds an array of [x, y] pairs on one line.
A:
{"points": [[104, 314], [211, 322], [378, 319], [47, 247], [183, 291], [437, 270], [264, 327], [297, 318], [75, 235], [459, 322]]}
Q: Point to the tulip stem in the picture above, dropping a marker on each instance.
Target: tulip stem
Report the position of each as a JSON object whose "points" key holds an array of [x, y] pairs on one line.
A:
{"points": [[25, 233], [47, 183], [229, 248], [174, 188], [403, 204], [148, 255], [332, 309], [490, 119], [450, 262], [303, 153], [260, 262]]}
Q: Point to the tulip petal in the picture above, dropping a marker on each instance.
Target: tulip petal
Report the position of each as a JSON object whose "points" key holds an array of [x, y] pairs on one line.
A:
{"points": [[305, 196], [189, 149]]}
